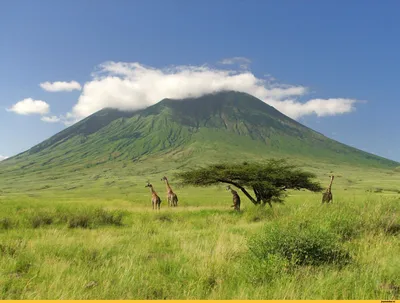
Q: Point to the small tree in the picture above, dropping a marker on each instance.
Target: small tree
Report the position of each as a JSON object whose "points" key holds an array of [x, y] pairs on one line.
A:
{"points": [[269, 180]]}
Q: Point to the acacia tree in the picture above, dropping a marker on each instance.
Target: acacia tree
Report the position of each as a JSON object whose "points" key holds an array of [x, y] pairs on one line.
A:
{"points": [[268, 180]]}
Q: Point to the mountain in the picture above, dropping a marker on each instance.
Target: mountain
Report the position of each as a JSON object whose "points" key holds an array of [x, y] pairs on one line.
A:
{"points": [[226, 126]]}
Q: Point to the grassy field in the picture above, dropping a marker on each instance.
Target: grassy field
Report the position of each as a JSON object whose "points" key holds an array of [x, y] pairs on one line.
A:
{"points": [[93, 235]]}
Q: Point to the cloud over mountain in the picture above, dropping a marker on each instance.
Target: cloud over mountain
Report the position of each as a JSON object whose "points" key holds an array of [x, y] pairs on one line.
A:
{"points": [[131, 86], [3, 158]]}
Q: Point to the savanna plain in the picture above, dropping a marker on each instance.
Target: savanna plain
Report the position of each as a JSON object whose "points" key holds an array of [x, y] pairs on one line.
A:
{"points": [[94, 235]]}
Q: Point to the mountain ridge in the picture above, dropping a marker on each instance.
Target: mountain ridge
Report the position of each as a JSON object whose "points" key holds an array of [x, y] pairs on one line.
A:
{"points": [[224, 125]]}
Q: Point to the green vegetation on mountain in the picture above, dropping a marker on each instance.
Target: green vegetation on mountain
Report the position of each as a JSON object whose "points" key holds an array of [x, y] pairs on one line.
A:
{"points": [[226, 126]]}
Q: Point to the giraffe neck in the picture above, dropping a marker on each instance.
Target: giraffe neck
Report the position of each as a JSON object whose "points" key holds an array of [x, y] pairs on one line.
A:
{"points": [[152, 190], [167, 184], [330, 185]]}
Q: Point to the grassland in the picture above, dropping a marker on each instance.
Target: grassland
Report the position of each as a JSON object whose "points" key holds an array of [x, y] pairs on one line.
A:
{"points": [[92, 235]]}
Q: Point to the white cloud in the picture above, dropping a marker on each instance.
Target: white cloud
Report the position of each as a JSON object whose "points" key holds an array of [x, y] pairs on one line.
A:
{"points": [[3, 158], [132, 86], [241, 61], [320, 107], [59, 86], [50, 119], [29, 107]]}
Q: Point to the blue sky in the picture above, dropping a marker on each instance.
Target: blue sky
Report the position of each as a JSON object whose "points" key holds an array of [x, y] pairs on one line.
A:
{"points": [[332, 65]]}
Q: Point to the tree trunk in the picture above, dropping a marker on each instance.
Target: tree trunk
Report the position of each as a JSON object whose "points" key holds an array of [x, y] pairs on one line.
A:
{"points": [[260, 199], [241, 188]]}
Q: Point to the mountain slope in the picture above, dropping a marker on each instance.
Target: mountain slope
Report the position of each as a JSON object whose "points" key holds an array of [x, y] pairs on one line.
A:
{"points": [[225, 126]]}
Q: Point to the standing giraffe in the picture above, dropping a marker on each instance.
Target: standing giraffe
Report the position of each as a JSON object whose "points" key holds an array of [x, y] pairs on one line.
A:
{"points": [[327, 195], [236, 198], [155, 199], [172, 198]]}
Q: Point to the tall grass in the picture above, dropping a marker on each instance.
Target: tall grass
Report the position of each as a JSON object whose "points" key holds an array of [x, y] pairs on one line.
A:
{"points": [[300, 250]]}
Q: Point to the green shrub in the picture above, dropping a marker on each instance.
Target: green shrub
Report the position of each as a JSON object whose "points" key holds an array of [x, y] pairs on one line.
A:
{"points": [[23, 265], [6, 223], [389, 225], [347, 225], [393, 229], [96, 217], [300, 245], [82, 221], [103, 217], [41, 219]]}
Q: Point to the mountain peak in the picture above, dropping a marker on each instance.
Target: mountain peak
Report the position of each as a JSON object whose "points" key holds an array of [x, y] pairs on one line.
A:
{"points": [[224, 125]]}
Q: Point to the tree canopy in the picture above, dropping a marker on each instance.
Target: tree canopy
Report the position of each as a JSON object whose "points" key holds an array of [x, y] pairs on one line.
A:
{"points": [[267, 180]]}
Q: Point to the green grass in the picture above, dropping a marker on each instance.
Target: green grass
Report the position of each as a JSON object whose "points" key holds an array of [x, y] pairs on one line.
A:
{"points": [[93, 235]]}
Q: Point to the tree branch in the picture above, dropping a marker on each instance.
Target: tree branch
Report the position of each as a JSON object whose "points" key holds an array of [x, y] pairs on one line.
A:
{"points": [[241, 188]]}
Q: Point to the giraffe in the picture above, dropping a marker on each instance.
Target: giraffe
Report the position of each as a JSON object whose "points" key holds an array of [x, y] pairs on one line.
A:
{"points": [[327, 195], [236, 198], [172, 198], [155, 199]]}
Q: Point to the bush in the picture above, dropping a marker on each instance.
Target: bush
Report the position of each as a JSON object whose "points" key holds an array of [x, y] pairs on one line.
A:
{"points": [[91, 218], [6, 223], [392, 229], [81, 221], [104, 217], [300, 245], [74, 218], [41, 219], [346, 224], [390, 225]]}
